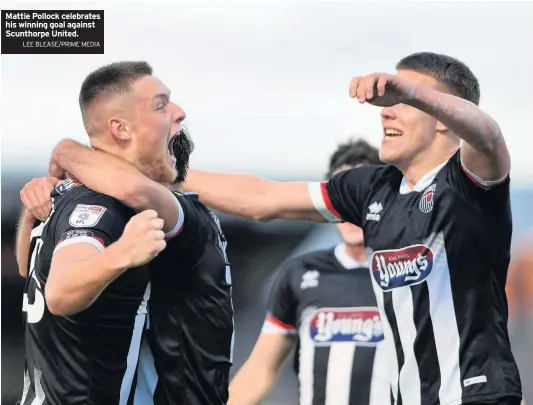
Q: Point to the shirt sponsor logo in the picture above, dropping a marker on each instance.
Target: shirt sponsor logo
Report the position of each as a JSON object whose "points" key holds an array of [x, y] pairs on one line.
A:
{"points": [[86, 215], [67, 185], [373, 212], [361, 325], [403, 267]]}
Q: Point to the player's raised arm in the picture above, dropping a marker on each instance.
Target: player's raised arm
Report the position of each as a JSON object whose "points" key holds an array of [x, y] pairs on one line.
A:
{"points": [[484, 153], [110, 175]]}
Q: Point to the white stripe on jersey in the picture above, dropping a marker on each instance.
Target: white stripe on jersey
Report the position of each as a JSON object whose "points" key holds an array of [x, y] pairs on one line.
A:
{"points": [[402, 300], [307, 359], [146, 377], [135, 346], [444, 322], [339, 373], [387, 346], [27, 384], [319, 201], [380, 384], [79, 239]]}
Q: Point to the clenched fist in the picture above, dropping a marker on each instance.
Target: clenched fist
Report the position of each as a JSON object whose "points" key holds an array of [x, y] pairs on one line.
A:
{"points": [[143, 238], [382, 89], [36, 196]]}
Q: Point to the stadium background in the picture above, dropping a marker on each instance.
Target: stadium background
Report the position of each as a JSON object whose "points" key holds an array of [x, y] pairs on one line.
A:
{"points": [[282, 125]]}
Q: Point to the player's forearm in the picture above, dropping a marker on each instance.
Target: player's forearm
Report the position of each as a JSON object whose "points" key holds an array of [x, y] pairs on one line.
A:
{"points": [[238, 194], [107, 174], [251, 385], [80, 285], [99, 171], [23, 240], [461, 117]]}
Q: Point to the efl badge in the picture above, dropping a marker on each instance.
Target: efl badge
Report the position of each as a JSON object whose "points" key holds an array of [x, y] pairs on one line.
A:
{"points": [[427, 200]]}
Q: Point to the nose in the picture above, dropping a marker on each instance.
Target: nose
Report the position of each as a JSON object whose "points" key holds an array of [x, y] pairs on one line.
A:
{"points": [[178, 115], [388, 113]]}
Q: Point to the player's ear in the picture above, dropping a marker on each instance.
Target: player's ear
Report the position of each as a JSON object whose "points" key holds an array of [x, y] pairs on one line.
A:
{"points": [[120, 128], [441, 128]]}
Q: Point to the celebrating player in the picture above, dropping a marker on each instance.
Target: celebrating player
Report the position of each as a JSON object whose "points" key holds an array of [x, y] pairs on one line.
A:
{"points": [[186, 355], [437, 227], [322, 303]]}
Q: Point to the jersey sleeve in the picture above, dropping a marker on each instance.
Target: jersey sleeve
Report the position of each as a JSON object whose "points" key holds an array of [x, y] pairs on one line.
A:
{"points": [[282, 305], [488, 194], [341, 198], [194, 228], [96, 219]]}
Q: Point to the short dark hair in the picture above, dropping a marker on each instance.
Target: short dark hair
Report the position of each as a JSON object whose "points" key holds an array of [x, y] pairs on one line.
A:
{"points": [[115, 78], [447, 70], [353, 153]]}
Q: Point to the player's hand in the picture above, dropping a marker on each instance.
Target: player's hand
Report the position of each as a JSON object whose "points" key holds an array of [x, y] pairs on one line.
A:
{"points": [[143, 238], [382, 89], [36, 196]]}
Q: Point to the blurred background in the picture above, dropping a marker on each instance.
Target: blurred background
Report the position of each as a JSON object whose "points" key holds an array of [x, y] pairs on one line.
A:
{"points": [[265, 87]]}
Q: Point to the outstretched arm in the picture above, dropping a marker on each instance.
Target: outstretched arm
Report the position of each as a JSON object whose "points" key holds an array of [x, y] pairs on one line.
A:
{"points": [[483, 151], [253, 197], [108, 174]]}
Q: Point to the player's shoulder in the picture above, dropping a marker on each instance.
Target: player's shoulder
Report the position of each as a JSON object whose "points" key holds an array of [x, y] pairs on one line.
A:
{"points": [[81, 203], [319, 260], [375, 175]]}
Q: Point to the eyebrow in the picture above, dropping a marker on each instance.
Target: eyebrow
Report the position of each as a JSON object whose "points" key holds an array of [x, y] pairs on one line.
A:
{"points": [[164, 96]]}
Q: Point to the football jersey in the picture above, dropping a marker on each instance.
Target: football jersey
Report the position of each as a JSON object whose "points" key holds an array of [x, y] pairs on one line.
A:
{"points": [[325, 299], [89, 357], [186, 356], [438, 262]]}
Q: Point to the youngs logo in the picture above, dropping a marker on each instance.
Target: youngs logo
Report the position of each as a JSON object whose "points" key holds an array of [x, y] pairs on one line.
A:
{"points": [[398, 268], [361, 325]]}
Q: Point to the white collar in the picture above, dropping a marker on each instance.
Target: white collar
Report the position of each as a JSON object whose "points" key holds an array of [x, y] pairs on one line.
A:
{"points": [[346, 261], [423, 183]]}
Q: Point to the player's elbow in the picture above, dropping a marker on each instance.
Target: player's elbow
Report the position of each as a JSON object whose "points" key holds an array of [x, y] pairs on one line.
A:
{"points": [[135, 193], [58, 302], [23, 271]]}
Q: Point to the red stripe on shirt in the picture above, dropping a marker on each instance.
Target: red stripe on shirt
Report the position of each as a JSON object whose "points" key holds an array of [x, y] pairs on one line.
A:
{"points": [[278, 323], [327, 201]]}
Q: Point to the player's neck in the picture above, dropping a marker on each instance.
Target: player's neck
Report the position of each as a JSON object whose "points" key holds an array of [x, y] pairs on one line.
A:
{"points": [[420, 167], [356, 252]]}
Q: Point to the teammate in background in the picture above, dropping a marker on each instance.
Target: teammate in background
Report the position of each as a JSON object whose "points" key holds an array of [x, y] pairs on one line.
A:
{"points": [[86, 296], [322, 303], [437, 227], [186, 355]]}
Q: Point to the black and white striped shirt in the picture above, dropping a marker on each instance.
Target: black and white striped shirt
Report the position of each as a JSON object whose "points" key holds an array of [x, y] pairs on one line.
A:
{"points": [[439, 255], [325, 300]]}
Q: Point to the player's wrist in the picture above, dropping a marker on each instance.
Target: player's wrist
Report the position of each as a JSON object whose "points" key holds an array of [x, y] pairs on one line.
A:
{"points": [[119, 255]]}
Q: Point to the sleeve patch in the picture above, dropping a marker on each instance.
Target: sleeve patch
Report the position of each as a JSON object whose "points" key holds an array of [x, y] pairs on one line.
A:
{"points": [[73, 233], [85, 216]]}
